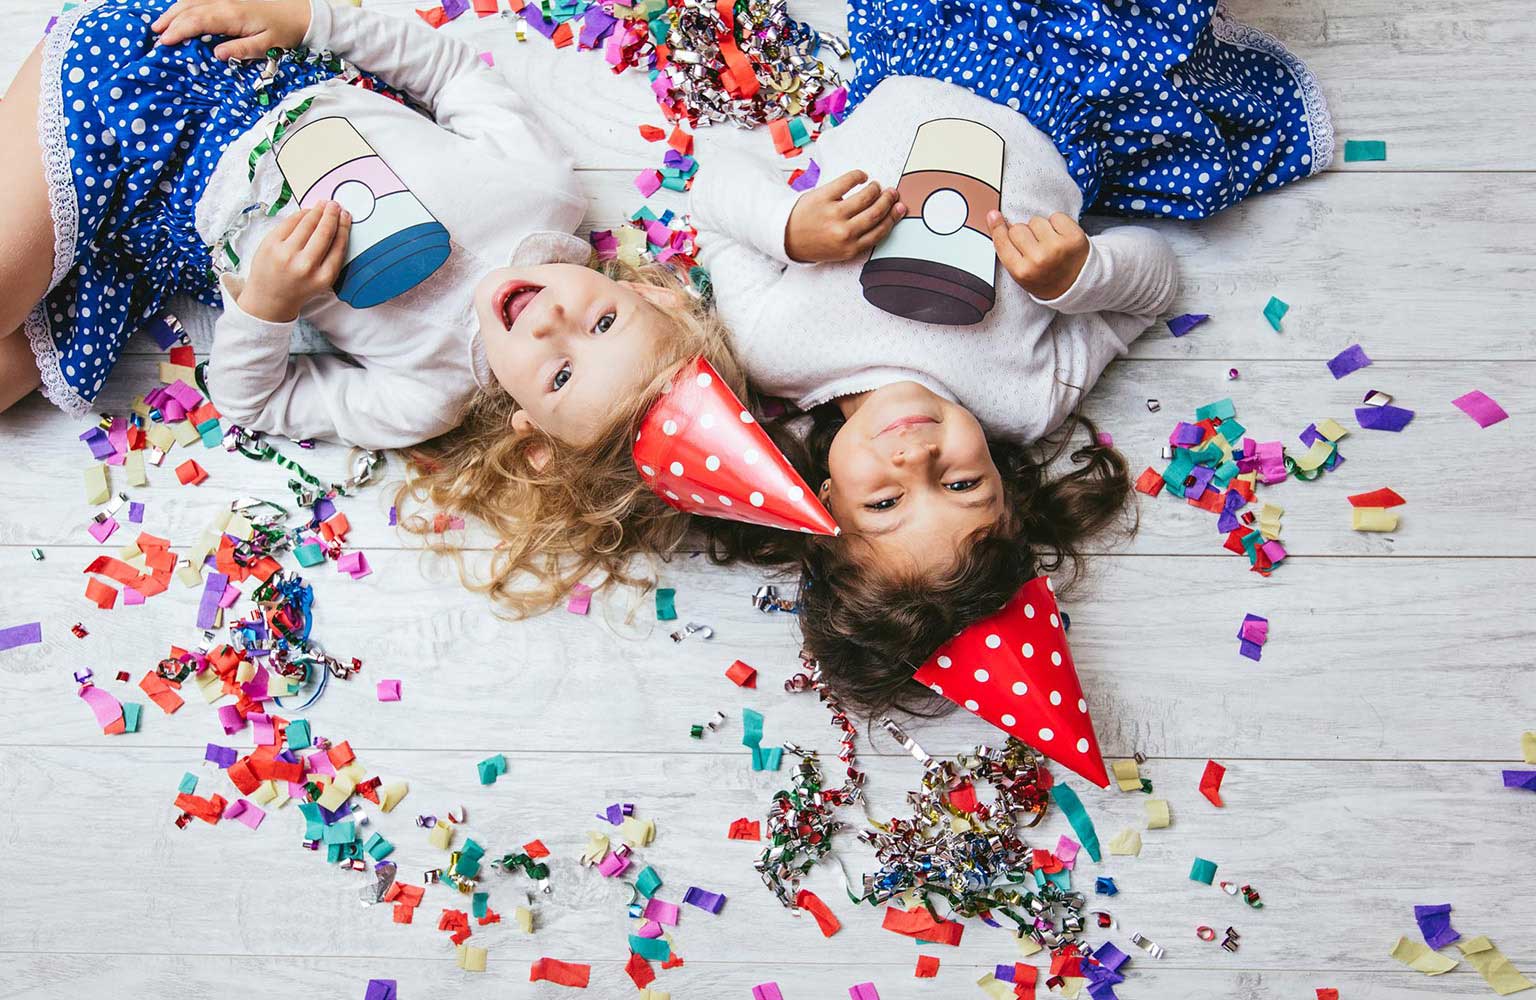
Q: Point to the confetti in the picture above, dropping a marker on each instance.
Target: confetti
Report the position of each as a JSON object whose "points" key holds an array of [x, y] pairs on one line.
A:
{"points": [[1372, 519], [492, 768], [1435, 924], [1493, 966], [1251, 635], [21, 635], [1180, 325], [1361, 150], [742, 675], [666, 609], [1351, 359], [763, 759], [927, 967], [1416, 956], [1480, 407], [1274, 312], [1383, 418], [389, 690], [1077, 816], [1381, 498], [1210, 782], [580, 601], [1202, 871]]}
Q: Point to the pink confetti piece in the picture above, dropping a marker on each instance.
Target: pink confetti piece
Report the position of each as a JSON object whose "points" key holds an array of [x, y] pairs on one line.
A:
{"points": [[389, 690], [580, 601], [1480, 407]]}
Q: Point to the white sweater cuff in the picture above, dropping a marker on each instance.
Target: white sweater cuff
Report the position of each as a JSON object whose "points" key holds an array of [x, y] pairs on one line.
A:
{"points": [[317, 37], [1082, 286], [236, 319]]}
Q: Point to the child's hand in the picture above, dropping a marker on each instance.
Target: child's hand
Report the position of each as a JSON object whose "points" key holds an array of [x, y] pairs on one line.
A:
{"points": [[1045, 256], [295, 262], [252, 26], [829, 224]]}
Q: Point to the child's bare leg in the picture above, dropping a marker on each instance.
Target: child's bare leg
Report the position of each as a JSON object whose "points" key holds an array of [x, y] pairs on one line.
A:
{"points": [[26, 230]]}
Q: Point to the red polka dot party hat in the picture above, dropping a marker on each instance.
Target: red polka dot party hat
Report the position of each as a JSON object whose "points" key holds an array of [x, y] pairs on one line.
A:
{"points": [[701, 451], [1014, 670]]}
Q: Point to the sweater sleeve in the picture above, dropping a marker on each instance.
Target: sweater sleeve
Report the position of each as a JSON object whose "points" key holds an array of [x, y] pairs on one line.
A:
{"points": [[740, 208], [255, 384], [438, 71], [1130, 269], [1084, 347]]}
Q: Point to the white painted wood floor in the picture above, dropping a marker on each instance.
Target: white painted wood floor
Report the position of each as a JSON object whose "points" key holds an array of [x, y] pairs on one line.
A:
{"points": [[1363, 752]]}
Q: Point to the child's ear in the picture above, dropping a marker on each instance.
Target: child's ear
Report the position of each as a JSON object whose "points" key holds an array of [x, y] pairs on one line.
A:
{"points": [[661, 296], [540, 454]]}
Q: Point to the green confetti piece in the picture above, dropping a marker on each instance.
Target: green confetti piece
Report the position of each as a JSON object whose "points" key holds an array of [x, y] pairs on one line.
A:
{"points": [[188, 783], [1360, 150], [343, 832], [309, 554], [648, 882], [478, 904], [1222, 408], [1202, 871], [314, 823], [666, 608], [655, 949], [1178, 470], [132, 713], [1274, 311], [470, 854], [1068, 802], [1231, 430], [378, 848], [1061, 880], [298, 734], [752, 737], [492, 768]]}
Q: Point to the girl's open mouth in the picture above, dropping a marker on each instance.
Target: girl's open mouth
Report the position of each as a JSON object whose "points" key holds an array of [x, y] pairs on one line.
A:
{"points": [[511, 299]]}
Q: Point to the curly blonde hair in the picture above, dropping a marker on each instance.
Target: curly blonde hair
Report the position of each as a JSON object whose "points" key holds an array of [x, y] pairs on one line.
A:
{"points": [[584, 512]]}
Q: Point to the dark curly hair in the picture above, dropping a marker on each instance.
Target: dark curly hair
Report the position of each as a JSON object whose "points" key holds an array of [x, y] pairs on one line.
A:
{"points": [[870, 630]]}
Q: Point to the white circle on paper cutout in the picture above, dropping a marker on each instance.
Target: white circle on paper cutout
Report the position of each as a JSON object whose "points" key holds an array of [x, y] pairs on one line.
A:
{"points": [[669, 428], [712, 463], [1082, 705], [1029, 610], [994, 641], [970, 704], [945, 662], [945, 211], [746, 417], [751, 455], [981, 676], [703, 378], [647, 470], [724, 501], [1028, 649], [796, 494], [1082, 745], [356, 197], [1055, 697], [707, 420], [672, 496], [1009, 720], [1055, 622], [1046, 736], [1020, 688], [677, 468], [756, 499], [1049, 585], [696, 498], [936, 689], [1055, 659]]}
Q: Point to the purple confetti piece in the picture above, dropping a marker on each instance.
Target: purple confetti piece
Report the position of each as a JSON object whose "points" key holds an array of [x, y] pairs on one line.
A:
{"points": [[704, 899], [220, 756], [164, 333], [1110, 957], [1382, 418], [1480, 407], [1180, 325], [380, 989], [1435, 924], [809, 177], [1202, 477], [21, 635], [1351, 359], [1003, 974], [1186, 434], [208, 607], [1252, 650], [1520, 779], [453, 8], [135, 512]]}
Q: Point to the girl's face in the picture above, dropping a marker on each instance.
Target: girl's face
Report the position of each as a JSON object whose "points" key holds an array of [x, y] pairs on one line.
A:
{"points": [[910, 475], [569, 343]]}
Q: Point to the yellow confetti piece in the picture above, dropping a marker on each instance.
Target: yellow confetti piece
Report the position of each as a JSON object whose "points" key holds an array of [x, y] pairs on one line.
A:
{"points": [[1126, 842], [1314, 456], [597, 848], [1331, 429], [170, 373], [1488, 960], [524, 918], [160, 436], [995, 988], [391, 794], [265, 792], [1027, 945], [185, 433], [1372, 519], [1071, 986], [1127, 775], [97, 488], [1417, 956], [471, 959], [650, 994], [637, 832], [441, 835], [1528, 747], [338, 791], [133, 467], [190, 575], [1157, 814]]}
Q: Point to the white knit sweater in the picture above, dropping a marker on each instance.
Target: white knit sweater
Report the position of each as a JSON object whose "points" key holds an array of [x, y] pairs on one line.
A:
{"points": [[805, 332], [483, 166]]}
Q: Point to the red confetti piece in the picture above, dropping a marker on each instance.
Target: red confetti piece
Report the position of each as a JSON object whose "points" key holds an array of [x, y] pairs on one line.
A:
{"points": [[552, 970], [190, 473], [1150, 482], [535, 849], [927, 967], [640, 971], [1210, 782], [1384, 497], [745, 829], [808, 900], [742, 675], [650, 133]]}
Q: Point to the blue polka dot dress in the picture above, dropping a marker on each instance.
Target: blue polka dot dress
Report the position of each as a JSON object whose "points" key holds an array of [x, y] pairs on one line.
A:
{"points": [[1160, 109], [131, 133]]}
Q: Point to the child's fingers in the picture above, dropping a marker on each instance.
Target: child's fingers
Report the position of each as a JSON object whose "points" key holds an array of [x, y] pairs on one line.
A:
{"points": [[319, 243], [254, 47], [861, 201], [172, 12], [1064, 225], [308, 220], [1042, 229], [285, 227], [1002, 240], [192, 21], [841, 185], [879, 210], [882, 229], [337, 255]]}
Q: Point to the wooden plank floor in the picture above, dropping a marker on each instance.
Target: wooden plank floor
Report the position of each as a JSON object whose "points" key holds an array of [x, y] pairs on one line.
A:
{"points": [[1363, 752]]}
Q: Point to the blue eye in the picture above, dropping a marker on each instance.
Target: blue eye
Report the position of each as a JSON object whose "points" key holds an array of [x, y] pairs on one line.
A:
{"points": [[561, 377], [605, 323]]}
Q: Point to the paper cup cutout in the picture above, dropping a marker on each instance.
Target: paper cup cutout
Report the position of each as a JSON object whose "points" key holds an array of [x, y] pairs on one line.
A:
{"points": [[395, 243], [938, 264], [701, 451], [1014, 670]]}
